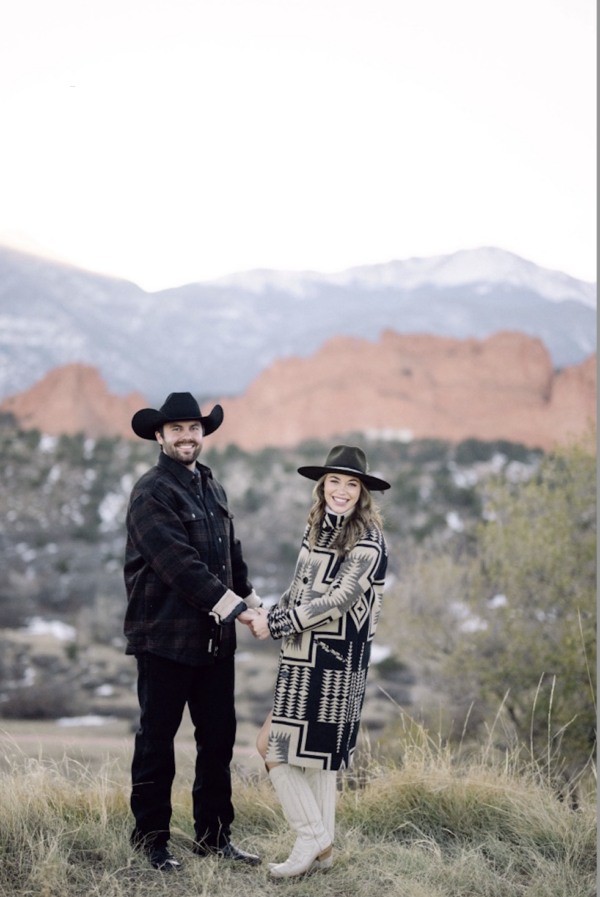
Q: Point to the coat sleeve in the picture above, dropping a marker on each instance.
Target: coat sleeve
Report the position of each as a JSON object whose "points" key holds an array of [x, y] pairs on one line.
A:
{"points": [[360, 569]]}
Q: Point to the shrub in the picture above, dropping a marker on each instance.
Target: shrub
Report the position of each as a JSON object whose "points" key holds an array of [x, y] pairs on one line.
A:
{"points": [[46, 700]]}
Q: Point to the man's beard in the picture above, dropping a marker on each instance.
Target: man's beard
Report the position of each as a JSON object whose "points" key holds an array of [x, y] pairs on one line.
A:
{"points": [[174, 452]]}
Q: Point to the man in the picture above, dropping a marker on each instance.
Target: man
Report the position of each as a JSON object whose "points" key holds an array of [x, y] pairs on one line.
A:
{"points": [[186, 583]]}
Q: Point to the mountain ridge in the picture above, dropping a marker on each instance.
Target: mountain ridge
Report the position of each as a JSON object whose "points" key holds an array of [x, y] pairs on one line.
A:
{"points": [[215, 338], [476, 266], [409, 386], [403, 387]]}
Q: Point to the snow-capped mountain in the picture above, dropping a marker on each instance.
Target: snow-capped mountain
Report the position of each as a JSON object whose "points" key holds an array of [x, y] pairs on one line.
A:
{"points": [[215, 338], [484, 267]]}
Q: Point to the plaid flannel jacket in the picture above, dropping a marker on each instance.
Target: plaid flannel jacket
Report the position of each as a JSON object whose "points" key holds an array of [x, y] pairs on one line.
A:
{"points": [[181, 558]]}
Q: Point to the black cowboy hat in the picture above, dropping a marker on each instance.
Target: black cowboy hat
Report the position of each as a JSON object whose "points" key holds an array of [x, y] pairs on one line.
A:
{"points": [[349, 460], [178, 406]]}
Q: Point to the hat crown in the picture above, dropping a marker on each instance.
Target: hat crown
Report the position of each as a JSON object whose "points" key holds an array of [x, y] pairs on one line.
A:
{"points": [[349, 457], [181, 406]]}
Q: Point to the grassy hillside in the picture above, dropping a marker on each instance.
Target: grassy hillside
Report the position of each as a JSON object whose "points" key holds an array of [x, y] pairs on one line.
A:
{"points": [[436, 825]]}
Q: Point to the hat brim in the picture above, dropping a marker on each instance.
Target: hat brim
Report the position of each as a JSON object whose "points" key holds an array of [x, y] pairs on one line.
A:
{"points": [[315, 473], [146, 422]]}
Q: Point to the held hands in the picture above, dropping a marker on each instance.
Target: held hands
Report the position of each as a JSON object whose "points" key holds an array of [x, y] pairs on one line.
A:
{"points": [[246, 616], [259, 626], [256, 619]]}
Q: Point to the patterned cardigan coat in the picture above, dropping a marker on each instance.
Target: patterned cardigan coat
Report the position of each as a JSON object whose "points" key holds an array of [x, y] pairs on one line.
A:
{"points": [[327, 619]]}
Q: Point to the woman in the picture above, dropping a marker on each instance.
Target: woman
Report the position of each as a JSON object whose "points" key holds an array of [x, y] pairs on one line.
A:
{"points": [[327, 619]]}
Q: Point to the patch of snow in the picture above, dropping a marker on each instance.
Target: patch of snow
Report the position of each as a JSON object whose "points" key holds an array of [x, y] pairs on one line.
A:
{"points": [[25, 552], [127, 482], [54, 475], [297, 283], [473, 624], [380, 653], [61, 631], [73, 514], [464, 479], [26, 681], [518, 472], [482, 267], [389, 434], [470, 622], [48, 443], [90, 720], [454, 522], [112, 510]]}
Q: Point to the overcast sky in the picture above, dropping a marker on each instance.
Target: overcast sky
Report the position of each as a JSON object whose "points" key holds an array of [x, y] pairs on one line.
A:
{"points": [[171, 141]]}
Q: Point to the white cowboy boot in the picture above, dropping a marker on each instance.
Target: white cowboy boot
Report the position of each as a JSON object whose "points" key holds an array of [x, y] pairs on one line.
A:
{"points": [[302, 813], [323, 783]]}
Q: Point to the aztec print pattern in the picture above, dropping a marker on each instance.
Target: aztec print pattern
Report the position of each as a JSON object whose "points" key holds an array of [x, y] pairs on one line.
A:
{"points": [[342, 695], [328, 618]]}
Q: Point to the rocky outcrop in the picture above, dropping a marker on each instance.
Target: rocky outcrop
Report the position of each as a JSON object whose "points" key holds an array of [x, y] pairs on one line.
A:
{"points": [[403, 386], [74, 399], [413, 386]]}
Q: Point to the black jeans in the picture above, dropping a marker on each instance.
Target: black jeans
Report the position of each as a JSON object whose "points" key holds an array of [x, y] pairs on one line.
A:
{"points": [[164, 688]]}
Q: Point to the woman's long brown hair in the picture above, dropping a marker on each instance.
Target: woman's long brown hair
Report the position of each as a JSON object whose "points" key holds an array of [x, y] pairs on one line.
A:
{"points": [[364, 516]]}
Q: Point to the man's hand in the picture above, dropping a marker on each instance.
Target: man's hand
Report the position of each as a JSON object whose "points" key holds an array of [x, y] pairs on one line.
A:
{"points": [[247, 616], [258, 625]]}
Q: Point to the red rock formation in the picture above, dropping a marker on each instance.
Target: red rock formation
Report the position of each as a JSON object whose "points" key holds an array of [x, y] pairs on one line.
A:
{"points": [[74, 399], [502, 387]]}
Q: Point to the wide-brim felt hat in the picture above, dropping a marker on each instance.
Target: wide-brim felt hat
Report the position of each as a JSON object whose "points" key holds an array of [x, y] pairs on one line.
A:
{"points": [[349, 460], [178, 406]]}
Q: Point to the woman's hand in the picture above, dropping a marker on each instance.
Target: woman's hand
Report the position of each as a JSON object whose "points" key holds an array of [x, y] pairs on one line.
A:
{"points": [[258, 625]]}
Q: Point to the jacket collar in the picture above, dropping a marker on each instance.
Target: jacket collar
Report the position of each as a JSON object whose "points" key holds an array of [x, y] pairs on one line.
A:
{"points": [[334, 521], [181, 472]]}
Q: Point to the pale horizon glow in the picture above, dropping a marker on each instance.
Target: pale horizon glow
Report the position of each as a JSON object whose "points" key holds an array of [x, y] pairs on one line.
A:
{"points": [[169, 143]]}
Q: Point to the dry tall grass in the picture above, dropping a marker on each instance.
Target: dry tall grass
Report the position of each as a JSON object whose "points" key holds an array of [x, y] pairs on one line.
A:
{"points": [[432, 826]]}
